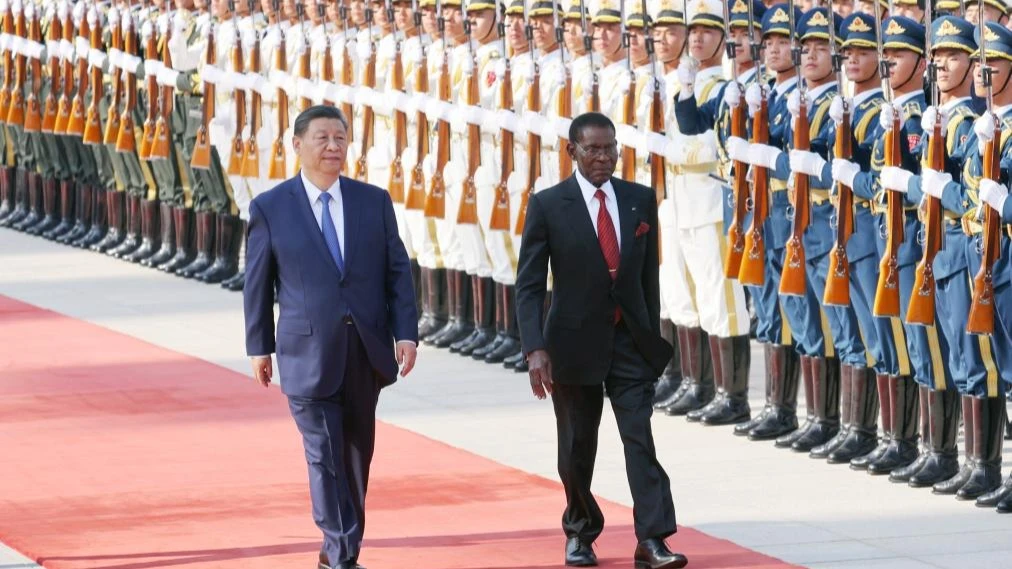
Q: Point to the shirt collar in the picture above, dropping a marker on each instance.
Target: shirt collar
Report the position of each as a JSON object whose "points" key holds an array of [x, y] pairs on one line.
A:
{"points": [[814, 94], [908, 97], [782, 88], [953, 103], [588, 190], [314, 193], [862, 97]]}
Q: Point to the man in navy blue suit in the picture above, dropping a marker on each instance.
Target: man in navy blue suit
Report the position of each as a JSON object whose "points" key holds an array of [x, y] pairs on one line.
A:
{"points": [[327, 246]]}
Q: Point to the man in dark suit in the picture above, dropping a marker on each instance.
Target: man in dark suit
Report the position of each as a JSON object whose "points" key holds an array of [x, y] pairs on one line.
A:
{"points": [[328, 246], [599, 235]]}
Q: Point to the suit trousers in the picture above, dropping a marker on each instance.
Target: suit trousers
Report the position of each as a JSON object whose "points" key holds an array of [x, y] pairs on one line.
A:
{"points": [[339, 434], [578, 416]]}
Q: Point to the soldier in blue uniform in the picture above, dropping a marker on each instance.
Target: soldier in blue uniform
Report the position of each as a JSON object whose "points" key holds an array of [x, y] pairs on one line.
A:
{"points": [[908, 351], [939, 403]]}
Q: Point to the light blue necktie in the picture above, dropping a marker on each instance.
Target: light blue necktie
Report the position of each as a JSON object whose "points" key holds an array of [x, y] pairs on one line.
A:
{"points": [[330, 233]]}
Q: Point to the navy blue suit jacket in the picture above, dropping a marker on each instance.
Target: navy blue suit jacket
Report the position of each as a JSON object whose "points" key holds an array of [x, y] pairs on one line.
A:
{"points": [[285, 250]]}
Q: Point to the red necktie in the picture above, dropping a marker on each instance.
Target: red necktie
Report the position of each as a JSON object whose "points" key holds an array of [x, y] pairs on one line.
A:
{"points": [[608, 241]]}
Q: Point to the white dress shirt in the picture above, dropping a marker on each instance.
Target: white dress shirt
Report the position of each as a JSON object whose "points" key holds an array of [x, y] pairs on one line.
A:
{"points": [[336, 206], [593, 205]]}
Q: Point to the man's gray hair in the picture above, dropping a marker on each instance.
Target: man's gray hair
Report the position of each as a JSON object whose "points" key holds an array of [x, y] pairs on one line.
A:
{"points": [[317, 112]]}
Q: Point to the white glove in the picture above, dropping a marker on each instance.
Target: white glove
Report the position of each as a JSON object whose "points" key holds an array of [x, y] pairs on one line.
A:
{"points": [[806, 162], [732, 94], [983, 127], [895, 179], [754, 97], [844, 171], [738, 148], [763, 155], [993, 194], [686, 78], [836, 109], [931, 114], [794, 102], [933, 182], [889, 112]]}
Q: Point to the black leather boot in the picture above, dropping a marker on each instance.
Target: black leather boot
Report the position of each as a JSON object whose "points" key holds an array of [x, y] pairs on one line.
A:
{"points": [[861, 462], [667, 384], [167, 250], [699, 388], [132, 241], [483, 308], [205, 246], [434, 303], [21, 202], [826, 392], [99, 228], [735, 361], [115, 203], [943, 425], [742, 429], [861, 436], [6, 194], [682, 344], [50, 208], [82, 215], [150, 235], [510, 345], [902, 449], [954, 483], [35, 213], [720, 390], [237, 281], [782, 418], [464, 324], [903, 475], [182, 219], [424, 311], [226, 239], [846, 414], [416, 279], [808, 382], [448, 294], [989, 427], [1005, 504], [499, 313], [68, 203]]}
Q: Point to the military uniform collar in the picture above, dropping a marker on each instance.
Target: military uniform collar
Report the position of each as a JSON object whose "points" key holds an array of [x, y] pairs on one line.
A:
{"points": [[708, 73], [817, 92], [746, 77], [954, 103], [1002, 111], [862, 97], [783, 87], [903, 99]]}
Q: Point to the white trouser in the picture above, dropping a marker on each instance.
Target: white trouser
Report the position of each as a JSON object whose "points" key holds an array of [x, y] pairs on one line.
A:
{"points": [[677, 302], [719, 300], [421, 231]]}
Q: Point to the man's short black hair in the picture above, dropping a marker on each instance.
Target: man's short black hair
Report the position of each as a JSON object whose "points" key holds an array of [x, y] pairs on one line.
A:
{"points": [[317, 112], [588, 120]]}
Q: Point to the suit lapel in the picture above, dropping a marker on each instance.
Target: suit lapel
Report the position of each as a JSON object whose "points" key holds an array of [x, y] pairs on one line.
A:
{"points": [[627, 217], [298, 191], [350, 197], [582, 225]]}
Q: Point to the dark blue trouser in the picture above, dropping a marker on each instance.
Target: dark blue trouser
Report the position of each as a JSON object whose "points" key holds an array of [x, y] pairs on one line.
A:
{"points": [[842, 320]]}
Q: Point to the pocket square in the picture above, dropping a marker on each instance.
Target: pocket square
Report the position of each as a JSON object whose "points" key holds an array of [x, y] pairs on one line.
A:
{"points": [[642, 229]]}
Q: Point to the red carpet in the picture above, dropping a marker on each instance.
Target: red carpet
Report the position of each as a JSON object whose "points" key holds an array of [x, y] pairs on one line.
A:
{"points": [[119, 454]]}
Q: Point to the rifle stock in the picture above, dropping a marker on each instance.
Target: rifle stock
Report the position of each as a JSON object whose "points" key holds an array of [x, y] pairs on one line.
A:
{"points": [[16, 111], [565, 111], [64, 104], [837, 291], [753, 261], [534, 153], [56, 84], [160, 149], [396, 181], [435, 201], [735, 232], [278, 168], [629, 119], [8, 67], [112, 121], [415, 199], [33, 114], [201, 157], [238, 145], [151, 87], [981, 317], [921, 309], [467, 211], [368, 122], [887, 293], [500, 220], [251, 154], [792, 279]]}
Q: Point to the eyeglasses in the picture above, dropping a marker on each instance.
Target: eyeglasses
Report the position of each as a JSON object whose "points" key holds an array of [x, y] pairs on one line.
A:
{"points": [[608, 150]]}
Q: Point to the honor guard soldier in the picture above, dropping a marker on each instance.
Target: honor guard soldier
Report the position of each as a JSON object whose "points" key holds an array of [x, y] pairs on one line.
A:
{"points": [[994, 11], [584, 62], [613, 73], [909, 351]]}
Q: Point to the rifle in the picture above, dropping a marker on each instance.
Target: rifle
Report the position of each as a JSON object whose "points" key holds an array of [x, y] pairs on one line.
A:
{"points": [[348, 68], [53, 36], [435, 201], [739, 128], [238, 67], [533, 139], [16, 111], [396, 183], [201, 158], [629, 103], [64, 104], [792, 279], [250, 167], [89, 126], [588, 46], [658, 179], [305, 58], [837, 291], [8, 66], [160, 148], [500, 220], [151, 87], [368, 116], [415, 199], [921, 309], [326, 59], [467, 211], [112, 123], [887, 292], [565, 97], [33, 117], [278, 169], [981, 317], [125, 138]]}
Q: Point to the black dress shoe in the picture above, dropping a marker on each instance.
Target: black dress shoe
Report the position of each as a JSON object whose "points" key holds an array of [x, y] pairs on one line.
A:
{"points": [[654, 554], [579, 554]]}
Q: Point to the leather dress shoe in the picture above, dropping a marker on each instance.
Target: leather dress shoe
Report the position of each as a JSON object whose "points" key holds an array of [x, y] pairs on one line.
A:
{"points": [[579, 554], [654, 554]]}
